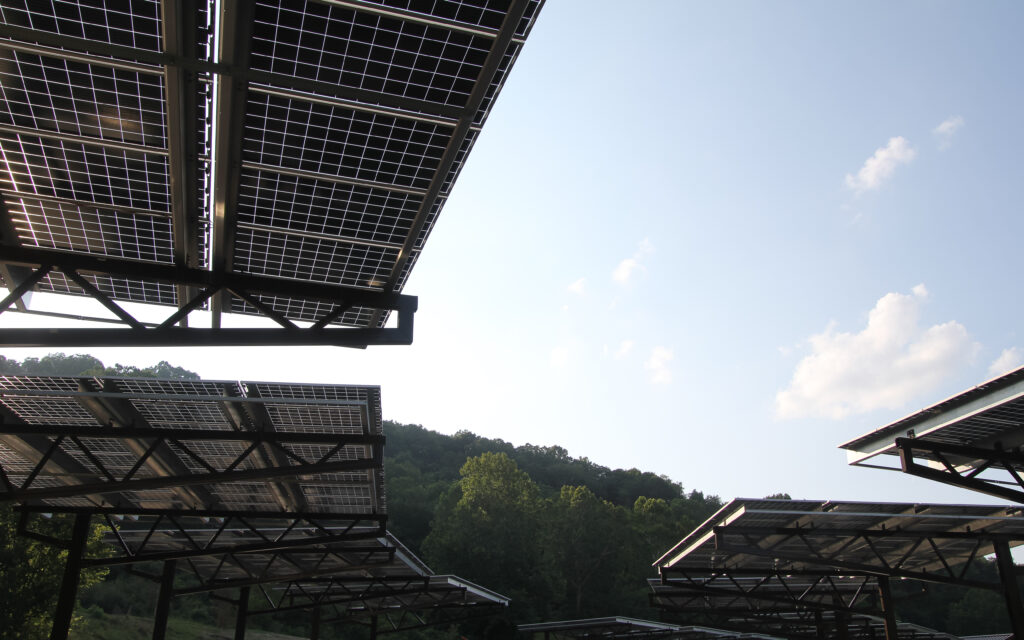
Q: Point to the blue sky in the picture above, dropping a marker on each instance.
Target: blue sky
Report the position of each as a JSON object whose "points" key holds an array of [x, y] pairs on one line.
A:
{"points": [[715, 240]]}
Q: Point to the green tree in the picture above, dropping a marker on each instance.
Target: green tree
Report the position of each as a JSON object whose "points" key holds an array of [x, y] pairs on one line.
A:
{"points": [[589, 545], [487, 530], [31, 573]]}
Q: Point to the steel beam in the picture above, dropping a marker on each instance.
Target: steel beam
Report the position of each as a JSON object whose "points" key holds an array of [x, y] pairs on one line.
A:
{"points": [[144, 484], [126, 433], [243, 608], [314, 624], [1011, 588], [69, 584], [178, 24], [163, 602], [858, 568], [234, 25], [993, 458], [888, 610]]}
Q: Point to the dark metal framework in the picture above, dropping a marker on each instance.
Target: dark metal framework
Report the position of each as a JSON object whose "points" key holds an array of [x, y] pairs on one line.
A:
{"points": [[972, 440], [621, 628], [771, 592], [935, 543], [386, 603], [277, 159], [212, 445], [235, 485]]}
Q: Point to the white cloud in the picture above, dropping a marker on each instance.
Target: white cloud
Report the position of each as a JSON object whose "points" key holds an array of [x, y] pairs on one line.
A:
{"points": [[578, 287], [624, 348], [630, 266], [944, 132], [881, 165], [888, 363], [657, 365], [625, 270], [559, 357], [1007, 361]]}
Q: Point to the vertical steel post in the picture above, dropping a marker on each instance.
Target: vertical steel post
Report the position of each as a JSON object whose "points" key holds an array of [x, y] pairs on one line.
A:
{"points": [[888, 612], [69, 584], [243, 611], [842, 621], [314, 632], [163, 601], [373, 628], [819, 625], [1011, 591]]}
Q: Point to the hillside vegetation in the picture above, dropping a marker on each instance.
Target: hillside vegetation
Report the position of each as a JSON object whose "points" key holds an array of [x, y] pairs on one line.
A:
{"points": [[563, 537]]}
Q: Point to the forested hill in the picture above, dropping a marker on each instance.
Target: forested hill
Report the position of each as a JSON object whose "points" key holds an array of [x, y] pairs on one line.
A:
{"points": [[562, 537], [420, 465]]}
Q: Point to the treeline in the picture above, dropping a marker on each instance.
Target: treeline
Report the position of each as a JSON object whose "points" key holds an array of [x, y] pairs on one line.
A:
{"points": [[563, 537], [59, 364]]}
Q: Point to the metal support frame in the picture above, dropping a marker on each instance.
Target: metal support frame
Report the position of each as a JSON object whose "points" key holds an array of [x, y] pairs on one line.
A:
{"points": [[1011, 587], [292, 533], [47, 445], [240, 616], [357, 599], [163, 602], [41, 262], [813, 591], [69, 583], [965, 476], [888, 608], [832, 556], [314, 624]]}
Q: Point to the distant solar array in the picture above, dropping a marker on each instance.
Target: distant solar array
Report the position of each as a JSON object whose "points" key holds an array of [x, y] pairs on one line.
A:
{"points": [[237, 485], [973, 440], [281, 159], [210, 445]]}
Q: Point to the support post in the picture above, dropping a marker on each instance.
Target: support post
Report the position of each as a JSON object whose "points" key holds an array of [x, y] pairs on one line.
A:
{"points": [[163, 602], [1011, 591], [243, 612], [69, 584], [888, 612], [314, 632], [373, 628], [842, 620], [819, 624]]}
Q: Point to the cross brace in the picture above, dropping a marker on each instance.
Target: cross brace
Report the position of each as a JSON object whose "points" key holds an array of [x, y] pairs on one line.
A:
{"points": [[965, 476]]}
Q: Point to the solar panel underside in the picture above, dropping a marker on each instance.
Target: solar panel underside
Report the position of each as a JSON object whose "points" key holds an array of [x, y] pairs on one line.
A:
{"points": [[81, 405], [357, 117]]}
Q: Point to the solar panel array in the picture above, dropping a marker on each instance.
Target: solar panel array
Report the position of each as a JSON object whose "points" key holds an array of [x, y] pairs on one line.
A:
{"points": [[317, 425], [988, 415], [304, 140], [794, 535]]}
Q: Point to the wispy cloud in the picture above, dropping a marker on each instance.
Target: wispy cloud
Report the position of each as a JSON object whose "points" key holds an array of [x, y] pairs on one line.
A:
{"points": [[658, 365], [881, 165], [885, 365], [1007, 361], [578, 287], [625, 347], [629, 267], [944, 132]]}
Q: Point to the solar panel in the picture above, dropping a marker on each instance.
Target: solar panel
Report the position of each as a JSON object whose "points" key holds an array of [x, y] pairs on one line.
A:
{"points": [[307, 141], [972, 440], [932, 542], [213, 445]]}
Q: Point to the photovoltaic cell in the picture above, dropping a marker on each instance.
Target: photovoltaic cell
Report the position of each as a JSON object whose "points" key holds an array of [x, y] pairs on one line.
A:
{"points": [[177, 405], [334, 176]]}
